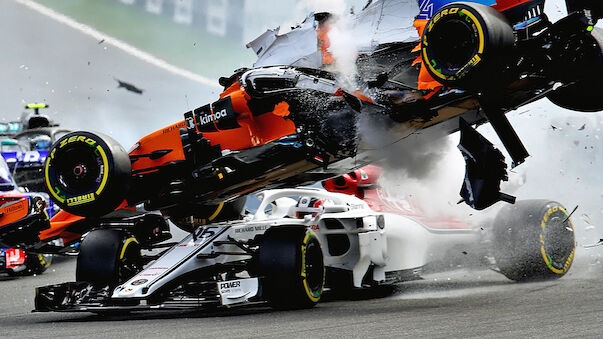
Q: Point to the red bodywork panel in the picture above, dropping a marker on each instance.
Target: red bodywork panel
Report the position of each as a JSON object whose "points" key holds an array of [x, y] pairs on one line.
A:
{"points": [[14, 257], [362, 183], [503, 5]]}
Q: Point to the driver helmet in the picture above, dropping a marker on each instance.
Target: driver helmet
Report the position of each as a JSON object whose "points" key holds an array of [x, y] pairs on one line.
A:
{"points": [[308, 206], [41, 143]]}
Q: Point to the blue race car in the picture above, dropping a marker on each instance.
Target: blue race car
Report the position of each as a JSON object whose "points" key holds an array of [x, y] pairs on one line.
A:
{"points": [[25, 144]]}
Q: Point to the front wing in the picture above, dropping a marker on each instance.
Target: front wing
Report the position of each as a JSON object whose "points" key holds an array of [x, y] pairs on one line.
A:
{"points": [[83, 297]]}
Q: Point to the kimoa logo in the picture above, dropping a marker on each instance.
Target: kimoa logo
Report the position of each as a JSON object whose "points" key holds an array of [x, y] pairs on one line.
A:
{"points": [[230, 284], [206, 119]]}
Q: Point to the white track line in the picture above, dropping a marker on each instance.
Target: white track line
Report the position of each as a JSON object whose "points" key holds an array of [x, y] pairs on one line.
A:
{"points": [[133, 51]]}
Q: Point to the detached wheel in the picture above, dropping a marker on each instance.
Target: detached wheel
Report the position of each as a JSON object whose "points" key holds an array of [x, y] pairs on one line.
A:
{"points": [[463, 43], [87, 174], [291, 261], [108, 258], [534, 240]]}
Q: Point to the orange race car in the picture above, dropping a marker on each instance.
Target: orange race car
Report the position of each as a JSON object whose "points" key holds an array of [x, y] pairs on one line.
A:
{"points": [[282, 126], [22, 216]]}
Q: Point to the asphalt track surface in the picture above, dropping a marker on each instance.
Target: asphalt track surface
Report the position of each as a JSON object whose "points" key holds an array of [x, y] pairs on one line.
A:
{"points": [[472, 303], [43, 60], [468, 303]]}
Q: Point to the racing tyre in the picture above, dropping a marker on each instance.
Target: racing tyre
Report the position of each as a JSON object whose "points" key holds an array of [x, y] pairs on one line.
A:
{"points": [[108, 257], [34, 264], [291, 262], [87, 174], [533, 240], [181, 214], [586, 64], [464, 43], [37, 263]]}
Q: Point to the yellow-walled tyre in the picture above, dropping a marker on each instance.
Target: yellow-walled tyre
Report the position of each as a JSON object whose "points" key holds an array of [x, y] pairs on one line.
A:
{"points": [[38, 263], [87, 174], [464, 43], [533, 240], [181, 214], [108, 257], [34, 264], [291, 262]]}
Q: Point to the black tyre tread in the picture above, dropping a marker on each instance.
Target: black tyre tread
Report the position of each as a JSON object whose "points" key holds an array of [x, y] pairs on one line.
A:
{"points": [[33, 265], [498, 38], [38, 263], [280, 264], [98, 262], [204, 214], [517, 230], [117, 184]]}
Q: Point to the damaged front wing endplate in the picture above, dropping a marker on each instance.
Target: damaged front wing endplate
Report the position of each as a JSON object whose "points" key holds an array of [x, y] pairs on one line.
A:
{"points": [[484, 171]]}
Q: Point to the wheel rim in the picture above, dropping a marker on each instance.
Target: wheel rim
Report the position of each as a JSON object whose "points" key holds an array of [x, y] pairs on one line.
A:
{"points": [[78, 169], [313, 267], [456, 40]]}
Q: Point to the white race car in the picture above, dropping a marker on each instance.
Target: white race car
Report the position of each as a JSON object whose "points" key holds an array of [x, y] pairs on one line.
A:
{"points": [[298, 243]]}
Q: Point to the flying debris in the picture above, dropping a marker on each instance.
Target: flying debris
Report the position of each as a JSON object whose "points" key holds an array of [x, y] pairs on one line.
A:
{"points": [[582, 128], [574, 210], [595, 245], [128, 86], [100, 42], [554, 127]]}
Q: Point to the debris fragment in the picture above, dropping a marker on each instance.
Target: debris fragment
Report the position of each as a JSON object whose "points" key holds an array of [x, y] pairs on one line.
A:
{"points": [[100, 42], [595, 245], [554, 128], [574, 210], [464, 252], [582, 128], [586, 218], [128, 86]]}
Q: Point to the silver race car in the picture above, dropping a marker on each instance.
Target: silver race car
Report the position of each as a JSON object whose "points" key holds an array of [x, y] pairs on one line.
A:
{"points": [[299, 243]]}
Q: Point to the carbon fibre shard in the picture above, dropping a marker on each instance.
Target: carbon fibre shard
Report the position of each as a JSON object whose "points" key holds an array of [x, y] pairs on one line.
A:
{"points": [[128, 86], [485, 169]]}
